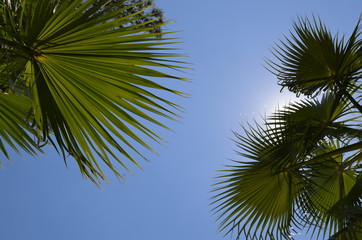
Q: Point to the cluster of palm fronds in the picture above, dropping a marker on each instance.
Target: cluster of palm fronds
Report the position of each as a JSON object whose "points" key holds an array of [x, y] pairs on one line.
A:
{"points": [[82, 76], [303, 167]]}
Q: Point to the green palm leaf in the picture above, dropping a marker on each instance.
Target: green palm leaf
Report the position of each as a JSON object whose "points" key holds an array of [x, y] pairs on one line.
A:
{"points": [[15, 131], [92, 84], [312, 60], [255, 198], [331, 180]]}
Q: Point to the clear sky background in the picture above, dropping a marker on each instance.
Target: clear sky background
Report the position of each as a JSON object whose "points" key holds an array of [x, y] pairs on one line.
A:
{"points": [[226, 42]]}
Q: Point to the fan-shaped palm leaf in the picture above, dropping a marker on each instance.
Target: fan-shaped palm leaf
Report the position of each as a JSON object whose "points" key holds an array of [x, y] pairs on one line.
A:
{"points": [[91, 84], [256, 197], [312, 60]]}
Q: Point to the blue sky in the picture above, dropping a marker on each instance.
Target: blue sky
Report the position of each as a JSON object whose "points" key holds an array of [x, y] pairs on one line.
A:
{"points": [[226, 42]]}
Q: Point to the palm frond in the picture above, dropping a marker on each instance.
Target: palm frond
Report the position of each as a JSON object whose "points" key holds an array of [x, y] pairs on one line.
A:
{"points": [[256, 198], [312, 60], [94, 88]]}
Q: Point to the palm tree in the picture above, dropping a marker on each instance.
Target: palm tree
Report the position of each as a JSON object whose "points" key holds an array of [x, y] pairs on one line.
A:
{"points": [[72, 78], [302, 167]]}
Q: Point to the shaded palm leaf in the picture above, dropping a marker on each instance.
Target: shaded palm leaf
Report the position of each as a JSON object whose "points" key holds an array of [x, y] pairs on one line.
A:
{"points": [[331, 180], [352, 215], [312, 60]]}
